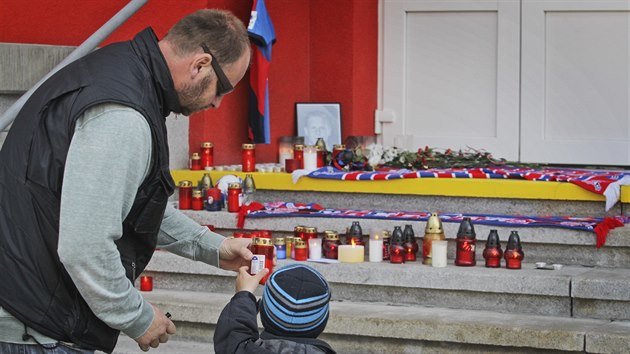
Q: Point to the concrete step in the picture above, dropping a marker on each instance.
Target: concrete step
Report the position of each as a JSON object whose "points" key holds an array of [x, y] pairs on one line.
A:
{"points": [[573, 291], [372, 327], [127, 345], [540, 244]]}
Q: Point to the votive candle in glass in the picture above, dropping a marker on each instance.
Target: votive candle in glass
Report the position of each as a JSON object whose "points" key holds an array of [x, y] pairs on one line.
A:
{"points": [[331, 244], [301, 254], [185, 195], [310, 157], [146, 283], [375, 246], [438, 253], [315, 248], [281, 248]]}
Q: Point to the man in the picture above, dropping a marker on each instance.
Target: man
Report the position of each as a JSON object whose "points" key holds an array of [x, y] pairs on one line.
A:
{"points": [[84, 183], [318, 125]]}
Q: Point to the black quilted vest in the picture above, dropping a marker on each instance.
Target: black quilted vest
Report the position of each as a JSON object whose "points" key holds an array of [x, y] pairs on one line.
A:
{"points": [[34, 286]]}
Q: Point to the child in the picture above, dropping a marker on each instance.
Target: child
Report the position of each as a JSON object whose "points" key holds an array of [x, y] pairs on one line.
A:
{"points": [[293, 311]]}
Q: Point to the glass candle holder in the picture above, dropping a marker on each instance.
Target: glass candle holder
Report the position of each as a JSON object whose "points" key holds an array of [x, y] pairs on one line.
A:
{"points": [[438, 253], [197, 200], [396, 253], [207, 154], [234, 197], [289, 243], [315, 248], [262, 248], [513, 252], [465, 244], [146, 283], [301, 254], [433, 231], [321, 156], [248, 158], [298, 155], [331, 244], [285, 149], [185, 195], [386, 243], [281, 248], [375, 246], [291, 165], [310, 157], [195, 162], [492, 253]]}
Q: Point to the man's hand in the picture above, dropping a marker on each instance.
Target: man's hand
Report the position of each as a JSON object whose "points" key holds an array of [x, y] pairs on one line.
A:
{"points": [[158, 332], [247, 282], [234, 253]]}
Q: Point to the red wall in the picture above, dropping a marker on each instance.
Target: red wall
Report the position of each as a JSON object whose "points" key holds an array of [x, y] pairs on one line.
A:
{"points": [[325, 51]]}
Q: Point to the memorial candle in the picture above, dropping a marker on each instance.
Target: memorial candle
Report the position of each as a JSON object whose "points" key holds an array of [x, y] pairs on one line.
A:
{"points": [[375, 246], [146, 283], [351, 253], [315, 248], [438, 253]]}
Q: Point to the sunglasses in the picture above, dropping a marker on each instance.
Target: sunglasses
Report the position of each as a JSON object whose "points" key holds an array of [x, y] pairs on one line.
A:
{"points": [[224, 86]]}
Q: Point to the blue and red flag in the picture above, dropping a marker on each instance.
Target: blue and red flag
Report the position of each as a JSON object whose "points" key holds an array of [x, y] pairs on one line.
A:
{"points": [[263, 35]]}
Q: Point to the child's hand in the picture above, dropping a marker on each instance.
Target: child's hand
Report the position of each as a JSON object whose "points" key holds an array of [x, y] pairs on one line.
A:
{"points": [[247, 282]]}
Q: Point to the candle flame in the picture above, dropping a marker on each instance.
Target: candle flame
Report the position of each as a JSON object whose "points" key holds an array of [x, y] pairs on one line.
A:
{"points": [[353, 243]]}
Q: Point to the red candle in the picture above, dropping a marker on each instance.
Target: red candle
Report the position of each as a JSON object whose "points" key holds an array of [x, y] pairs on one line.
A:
{"points": [[234, 197], [301, 253], [248, 158], [465, 252], [262, 248], [207, 154], [330, 247], [493, 253], [291, 165], [197, 200], [513, 252], [321, 156], [146, 283], [386, 239], [195, 162], [410, 254], [185, 195], [396, 254], [298, 155]]}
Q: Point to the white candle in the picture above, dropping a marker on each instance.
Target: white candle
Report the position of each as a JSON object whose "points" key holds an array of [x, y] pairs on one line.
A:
{"points": [[351, 254], [315, 248], [438, 253], [375, 244], [310, 158]]}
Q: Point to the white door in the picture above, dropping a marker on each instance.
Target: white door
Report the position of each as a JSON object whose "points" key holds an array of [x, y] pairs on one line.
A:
{"points": [[575, 82], [451, 75]]}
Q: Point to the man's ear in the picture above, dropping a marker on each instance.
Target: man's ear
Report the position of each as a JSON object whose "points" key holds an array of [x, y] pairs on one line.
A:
{"points": [[199, 63]]}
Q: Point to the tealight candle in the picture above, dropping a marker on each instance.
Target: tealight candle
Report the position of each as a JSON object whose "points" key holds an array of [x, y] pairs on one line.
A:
{"points": [[375, 246], [315, 248], [146, 283], [351, 253], [438, 253]]}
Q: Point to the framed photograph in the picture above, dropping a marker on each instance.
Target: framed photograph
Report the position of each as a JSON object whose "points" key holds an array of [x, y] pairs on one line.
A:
{"points": [[319, 120]]}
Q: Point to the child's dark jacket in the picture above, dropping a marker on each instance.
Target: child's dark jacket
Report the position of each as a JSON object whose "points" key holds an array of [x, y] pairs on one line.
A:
{"points": [[237, 332]]}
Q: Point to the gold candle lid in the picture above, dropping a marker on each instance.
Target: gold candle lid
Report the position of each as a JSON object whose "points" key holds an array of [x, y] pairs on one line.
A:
{"points": [[386, 234], [207, 144], [339, 147], [262, 241], [299, 243], [299, 228], [331, 235], [185, 183], [289, 239], [310, 230], [298, 147], [319, 148], [248, 146], [434, 225], [234, 185], [196, 193], [279, 241], [195, 156]]}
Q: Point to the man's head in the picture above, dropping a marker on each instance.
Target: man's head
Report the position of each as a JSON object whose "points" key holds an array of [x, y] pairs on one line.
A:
{"points": [[317, 125], [208, 53], [295, 302]]}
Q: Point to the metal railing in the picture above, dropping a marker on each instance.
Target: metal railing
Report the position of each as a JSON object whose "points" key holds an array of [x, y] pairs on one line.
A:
{"points": [[87, 46]]}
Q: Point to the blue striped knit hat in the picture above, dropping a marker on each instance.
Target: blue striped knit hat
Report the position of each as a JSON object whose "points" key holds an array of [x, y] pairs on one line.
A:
{"points": [[295, 302]]}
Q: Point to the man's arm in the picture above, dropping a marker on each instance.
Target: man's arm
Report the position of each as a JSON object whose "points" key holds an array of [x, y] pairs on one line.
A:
{"points": [[107, 161]]}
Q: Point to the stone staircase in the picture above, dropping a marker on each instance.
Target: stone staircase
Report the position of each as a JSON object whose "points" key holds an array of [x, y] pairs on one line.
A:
{"points": [[410, 308], [414, 308]]}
